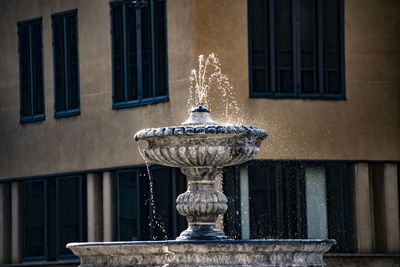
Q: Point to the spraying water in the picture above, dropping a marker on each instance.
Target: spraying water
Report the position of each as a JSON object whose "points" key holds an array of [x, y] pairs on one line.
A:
{"points": [[152, 203], [209, 76], [205, 82]]}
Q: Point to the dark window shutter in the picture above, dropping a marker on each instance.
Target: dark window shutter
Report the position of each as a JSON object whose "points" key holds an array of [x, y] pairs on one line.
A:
{"points": [[132, 53], [25, 67], [164, 210], [332, 47], [59, 66], [65, 38], [232, 217], [160, 48], [308, 31], [260, 45], [37, 67], [338, 207], [118, 53], [145, 18], [284, 49], [34, 217], [31, 70], [128, 223], [72, 54], [69, 201]]}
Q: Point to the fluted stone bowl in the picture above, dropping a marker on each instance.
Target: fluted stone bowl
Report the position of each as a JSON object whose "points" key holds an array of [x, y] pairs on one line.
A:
{"points": [[200, 143]]}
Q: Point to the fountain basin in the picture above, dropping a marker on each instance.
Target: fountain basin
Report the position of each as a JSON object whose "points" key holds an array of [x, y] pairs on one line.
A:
{"points": [[277, 252], [201, 145]]}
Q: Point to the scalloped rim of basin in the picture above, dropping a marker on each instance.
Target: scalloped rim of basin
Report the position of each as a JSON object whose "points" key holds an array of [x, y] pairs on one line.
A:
{"points": [[191, 130]]}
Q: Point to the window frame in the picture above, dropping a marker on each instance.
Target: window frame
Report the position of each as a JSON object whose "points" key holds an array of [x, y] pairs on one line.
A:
{"points": [[319, 68], [147, 221], [32, 117], [68, 111], [55, 255], [60, 256], [23, 223], [140, 101], [117, 201]]}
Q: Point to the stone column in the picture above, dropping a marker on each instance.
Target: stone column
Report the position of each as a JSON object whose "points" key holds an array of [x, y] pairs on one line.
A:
{"points": [[244, 202], [201, 204], [16, 248], [108, 206], [219, 181], [362, 212], [391, 202], [94, 207], [5, 223]]}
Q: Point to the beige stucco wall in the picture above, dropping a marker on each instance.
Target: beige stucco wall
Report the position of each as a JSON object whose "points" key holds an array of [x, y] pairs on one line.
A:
{"points": [[366, 126]]}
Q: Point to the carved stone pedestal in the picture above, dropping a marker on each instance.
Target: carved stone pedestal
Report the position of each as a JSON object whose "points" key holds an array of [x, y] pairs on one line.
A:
{"points": [[201, 204]]}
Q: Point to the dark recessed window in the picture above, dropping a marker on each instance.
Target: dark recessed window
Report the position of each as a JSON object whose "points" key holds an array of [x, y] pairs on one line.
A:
{"points": [[31, 70], [53, 215], [288, 199], [34, 220], [296, 49], [66, 75], [144, 210], [139, 52]]}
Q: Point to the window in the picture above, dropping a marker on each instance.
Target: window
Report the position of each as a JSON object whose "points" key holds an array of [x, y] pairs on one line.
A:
{"points": [[296, 49], [139, 52], [144, 210], [53, 214], [66, 75], [34, 222], [31, 70], [278, 200]]}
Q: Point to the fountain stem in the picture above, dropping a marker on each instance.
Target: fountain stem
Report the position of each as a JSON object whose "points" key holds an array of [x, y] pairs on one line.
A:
{"points": [[201, 204]]}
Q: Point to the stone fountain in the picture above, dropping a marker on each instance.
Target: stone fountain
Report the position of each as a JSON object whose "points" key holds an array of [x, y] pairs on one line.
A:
{"points": [[201, 148]]}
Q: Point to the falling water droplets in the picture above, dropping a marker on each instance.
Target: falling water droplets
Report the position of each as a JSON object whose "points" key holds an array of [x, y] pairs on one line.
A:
{"points": [[156, 220], [210, 76]]}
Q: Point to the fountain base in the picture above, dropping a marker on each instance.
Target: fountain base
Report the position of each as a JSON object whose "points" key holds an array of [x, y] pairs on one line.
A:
{"points": [[202, 232], [295, 252]]}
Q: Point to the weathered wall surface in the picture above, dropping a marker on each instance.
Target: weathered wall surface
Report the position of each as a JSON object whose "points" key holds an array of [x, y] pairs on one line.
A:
{"points": [[365, 126], [99, 137]]}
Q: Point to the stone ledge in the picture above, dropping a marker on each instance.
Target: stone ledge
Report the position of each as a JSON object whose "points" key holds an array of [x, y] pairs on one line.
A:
{"points": [[203, 253]]}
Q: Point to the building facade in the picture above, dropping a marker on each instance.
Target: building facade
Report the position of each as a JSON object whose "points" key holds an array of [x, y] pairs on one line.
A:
{"points": [[79, 78]]}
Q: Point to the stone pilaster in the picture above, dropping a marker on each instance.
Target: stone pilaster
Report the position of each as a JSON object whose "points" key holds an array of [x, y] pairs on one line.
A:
{"points": [[219, 183], [5, 223], [94, 207], [362, 212], [108, 206], [391, 202], [16, 247]]}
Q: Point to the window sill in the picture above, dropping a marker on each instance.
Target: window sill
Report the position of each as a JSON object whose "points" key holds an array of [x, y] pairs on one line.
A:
{"points": [[298, 96], [67, 113], [27, 119], [134, 103]]}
